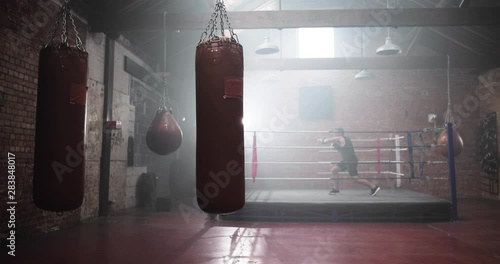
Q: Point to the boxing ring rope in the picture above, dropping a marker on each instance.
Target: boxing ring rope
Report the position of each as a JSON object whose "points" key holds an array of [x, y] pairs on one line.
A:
{"points": [[398, 176], [338, 161], [312, 147], [350, 179], [349, 132], [317, 147]]}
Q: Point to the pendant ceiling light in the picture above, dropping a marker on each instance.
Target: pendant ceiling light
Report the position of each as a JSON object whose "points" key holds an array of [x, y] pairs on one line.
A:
{"points": [[363, 74], [267, 47], [388, 48]]}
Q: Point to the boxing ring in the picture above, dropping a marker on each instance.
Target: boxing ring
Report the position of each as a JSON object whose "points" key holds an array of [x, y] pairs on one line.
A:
{"points": [[281, 189]]}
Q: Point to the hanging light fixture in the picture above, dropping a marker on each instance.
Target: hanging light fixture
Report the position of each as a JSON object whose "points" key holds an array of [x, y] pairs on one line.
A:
{"points": [[388, 48], [363, 74], [267, 47]]}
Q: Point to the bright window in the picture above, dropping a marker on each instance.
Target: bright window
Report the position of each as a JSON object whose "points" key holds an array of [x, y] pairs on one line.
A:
{"points": [[316, 42]]}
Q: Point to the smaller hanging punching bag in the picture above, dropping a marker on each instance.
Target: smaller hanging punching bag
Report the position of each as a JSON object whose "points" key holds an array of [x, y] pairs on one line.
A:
{"points": [[59, 161], [220, 161], [164, 136], [442, 140], [442, 143]]}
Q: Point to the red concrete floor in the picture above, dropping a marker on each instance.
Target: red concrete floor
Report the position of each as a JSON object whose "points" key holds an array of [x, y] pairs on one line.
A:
{"points": [[175, 237]]}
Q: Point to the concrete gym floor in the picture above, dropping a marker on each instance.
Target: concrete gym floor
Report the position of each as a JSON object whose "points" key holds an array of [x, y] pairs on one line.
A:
{"points": [[188, 236]]}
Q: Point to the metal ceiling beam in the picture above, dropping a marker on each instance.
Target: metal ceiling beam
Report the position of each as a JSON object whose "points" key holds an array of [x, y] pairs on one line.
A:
{"points": [[480, 16], [464, 3], [400, 62]]}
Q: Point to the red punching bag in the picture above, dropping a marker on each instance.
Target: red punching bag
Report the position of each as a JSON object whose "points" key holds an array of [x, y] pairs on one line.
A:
{"points": [[164, 136], [442, 143], [59, 167], [59, 162], [220, 174]]}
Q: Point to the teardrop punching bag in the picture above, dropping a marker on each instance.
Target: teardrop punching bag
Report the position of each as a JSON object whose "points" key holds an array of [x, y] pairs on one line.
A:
{"points": [[164, 136], [59, 165], [442, 140], [442, 143], [220, 174]]}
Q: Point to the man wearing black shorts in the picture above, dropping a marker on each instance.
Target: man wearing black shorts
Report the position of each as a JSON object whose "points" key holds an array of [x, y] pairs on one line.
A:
{"points": [[349, 161]]}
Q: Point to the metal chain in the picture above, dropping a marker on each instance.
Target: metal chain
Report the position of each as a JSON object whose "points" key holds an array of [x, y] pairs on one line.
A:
{"points": [[53, 31], [211, 26], [221, 8], [233, 35], [64, 35], [64, 15], [214, 25], [231, 32], [78, 41], [219, 13]]}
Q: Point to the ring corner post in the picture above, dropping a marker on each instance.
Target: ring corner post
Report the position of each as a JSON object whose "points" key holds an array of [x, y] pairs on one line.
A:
{"points": [[451, 170], [398, 160], [410, 154]]}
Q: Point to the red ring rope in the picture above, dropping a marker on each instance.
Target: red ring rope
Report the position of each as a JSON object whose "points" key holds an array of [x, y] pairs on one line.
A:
{"points": [[378, 155], [254, 157]]}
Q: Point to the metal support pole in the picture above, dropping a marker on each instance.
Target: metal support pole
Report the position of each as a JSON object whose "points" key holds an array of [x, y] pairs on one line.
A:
{"points": [[105, 165], [451, 169], [398, 158], [410, 154]]}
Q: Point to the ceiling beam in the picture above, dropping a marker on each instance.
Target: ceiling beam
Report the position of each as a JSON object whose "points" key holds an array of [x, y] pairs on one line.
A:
{"points": [[478, 16], [399, 62], [464, 3]]}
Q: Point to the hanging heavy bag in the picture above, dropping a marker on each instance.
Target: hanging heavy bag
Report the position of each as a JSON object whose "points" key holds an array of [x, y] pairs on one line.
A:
{"points": [[59, 162], [220, 174], [164, 136]]}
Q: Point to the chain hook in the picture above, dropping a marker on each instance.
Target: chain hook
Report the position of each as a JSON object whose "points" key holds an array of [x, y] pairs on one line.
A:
{"points": [[63, 17], [64, 36], [218, 16]]}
